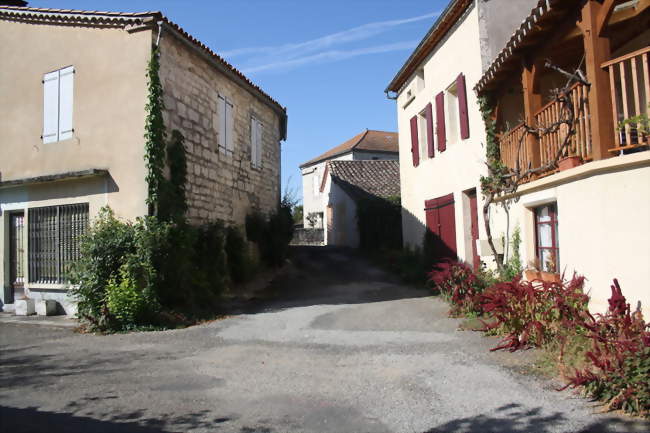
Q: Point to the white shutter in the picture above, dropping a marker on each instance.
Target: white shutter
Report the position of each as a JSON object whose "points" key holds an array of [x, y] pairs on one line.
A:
{"points": [[230, 142], [253, 142], [221, 111], [51, 107], [66, 94], [259, 144]]}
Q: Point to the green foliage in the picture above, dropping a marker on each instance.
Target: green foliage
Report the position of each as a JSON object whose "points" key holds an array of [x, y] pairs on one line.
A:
{"points": [[239, 262], [271, 234], [513, 267], [154, 134], [173, 201], [493, 183], [297, 212], [128, 302], [380, 223], [641, 123]]}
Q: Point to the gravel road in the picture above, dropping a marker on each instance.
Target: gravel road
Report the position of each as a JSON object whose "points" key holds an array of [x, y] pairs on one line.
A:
{"points": [[345, 348]]}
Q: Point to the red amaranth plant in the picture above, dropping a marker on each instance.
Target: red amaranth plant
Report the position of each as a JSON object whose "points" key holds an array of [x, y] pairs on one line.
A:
{"points": [[618, 370], [531, 313], [459, 285]]}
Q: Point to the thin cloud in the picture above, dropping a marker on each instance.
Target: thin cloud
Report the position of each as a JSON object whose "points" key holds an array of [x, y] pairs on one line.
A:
{"points": [[323, 48], [331, 56]]}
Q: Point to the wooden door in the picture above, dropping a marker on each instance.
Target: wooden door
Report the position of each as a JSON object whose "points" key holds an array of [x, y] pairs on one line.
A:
{"points": [[441, 221], [17, 253], [473, 207]]}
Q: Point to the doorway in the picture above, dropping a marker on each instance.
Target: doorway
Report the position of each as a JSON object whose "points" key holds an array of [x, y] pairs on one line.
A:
{"points": [[17, 254]]}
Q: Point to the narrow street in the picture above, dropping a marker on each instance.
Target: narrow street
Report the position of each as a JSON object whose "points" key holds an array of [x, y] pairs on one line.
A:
{"points": [[345, 348]]}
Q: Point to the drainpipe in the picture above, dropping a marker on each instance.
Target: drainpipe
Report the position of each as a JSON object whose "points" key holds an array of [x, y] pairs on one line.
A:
{"points": [[160, 23]]}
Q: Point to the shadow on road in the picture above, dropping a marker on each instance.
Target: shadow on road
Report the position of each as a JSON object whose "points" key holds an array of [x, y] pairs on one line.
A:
{"points": [[514, 418], [328, 276]]}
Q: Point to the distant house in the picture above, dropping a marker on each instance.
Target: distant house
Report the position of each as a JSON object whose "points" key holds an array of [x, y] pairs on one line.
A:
{"points": [[367, 145], [74, 92], [346, 184]]}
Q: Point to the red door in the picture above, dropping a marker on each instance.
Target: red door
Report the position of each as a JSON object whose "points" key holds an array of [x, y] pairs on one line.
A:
{"points": [[473, 206], [441, 221]]}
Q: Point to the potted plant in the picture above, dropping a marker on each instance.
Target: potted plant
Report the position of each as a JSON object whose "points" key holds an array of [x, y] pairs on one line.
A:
{"points": [[569, 162]]}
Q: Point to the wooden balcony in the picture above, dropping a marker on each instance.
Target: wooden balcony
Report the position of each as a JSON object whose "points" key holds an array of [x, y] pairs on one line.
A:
{"points": [[630, 91], [513, 146]]}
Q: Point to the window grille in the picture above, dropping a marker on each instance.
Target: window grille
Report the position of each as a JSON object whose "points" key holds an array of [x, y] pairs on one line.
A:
{"points": [[54, 234]]}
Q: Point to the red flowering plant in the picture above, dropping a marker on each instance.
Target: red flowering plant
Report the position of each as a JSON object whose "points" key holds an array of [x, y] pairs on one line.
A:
{"points": [[618, 364], [531, 313], [459, 286]]}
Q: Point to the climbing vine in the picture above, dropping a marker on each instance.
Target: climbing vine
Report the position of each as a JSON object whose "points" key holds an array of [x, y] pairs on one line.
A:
{"points": [[154, 135], [173, 201], [504, 181]]}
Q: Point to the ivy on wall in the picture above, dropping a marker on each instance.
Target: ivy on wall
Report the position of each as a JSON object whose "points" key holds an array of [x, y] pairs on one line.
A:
{"points": [[154, 134]]}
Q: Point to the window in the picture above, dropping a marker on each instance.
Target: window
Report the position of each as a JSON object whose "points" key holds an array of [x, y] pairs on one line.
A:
{"points": [[422, 134], [419, 79], [226, 140], [451, 111], [58, 91], [256, 143], [53, 241], [547, 240]]}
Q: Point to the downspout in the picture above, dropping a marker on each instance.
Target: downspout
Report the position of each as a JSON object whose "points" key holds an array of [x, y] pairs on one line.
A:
{"points": [[160, 23]]}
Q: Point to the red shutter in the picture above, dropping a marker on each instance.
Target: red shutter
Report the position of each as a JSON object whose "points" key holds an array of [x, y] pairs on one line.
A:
{"points": [[415, 148], [462, 106], [440, 121], [429, 114]]}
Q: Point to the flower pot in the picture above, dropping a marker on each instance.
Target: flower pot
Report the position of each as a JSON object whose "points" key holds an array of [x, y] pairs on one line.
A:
{"points": [[550, 277], [531, 275], [569, 162]]}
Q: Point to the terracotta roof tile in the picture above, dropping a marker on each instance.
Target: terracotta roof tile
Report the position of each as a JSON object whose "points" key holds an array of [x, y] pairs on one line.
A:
{"points": [[373, 179], [119, 19], [368, 140]]}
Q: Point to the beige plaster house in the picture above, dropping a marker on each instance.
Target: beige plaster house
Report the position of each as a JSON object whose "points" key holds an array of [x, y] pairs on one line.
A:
{"points": [[74, 89], [591, 216], [367, 145], [441, 132]]}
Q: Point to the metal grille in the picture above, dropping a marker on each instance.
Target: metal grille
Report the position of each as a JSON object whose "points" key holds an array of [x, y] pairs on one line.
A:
{"points": [[54, 234]]}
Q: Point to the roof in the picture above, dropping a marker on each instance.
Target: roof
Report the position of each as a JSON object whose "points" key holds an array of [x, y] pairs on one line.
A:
{"points": [[368, 140], [366, 178], [436, 33], [540, 21], [128, 21]]}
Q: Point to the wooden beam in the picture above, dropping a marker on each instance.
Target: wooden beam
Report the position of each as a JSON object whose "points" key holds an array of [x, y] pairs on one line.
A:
{"points": [[605, 13], [532, 103], [597, 52]]}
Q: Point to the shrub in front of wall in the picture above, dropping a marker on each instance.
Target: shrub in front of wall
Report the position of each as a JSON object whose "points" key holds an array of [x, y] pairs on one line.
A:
{"points": [[239, 263], [271, 234], [458, 285], [128, 302], [618, 365], [532, 313]]}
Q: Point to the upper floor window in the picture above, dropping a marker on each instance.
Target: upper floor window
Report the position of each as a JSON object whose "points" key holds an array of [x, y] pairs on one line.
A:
{"points": [[547, 238], [422, 134], [256, 143], [58, 92], [451, 97], [226, 142]]}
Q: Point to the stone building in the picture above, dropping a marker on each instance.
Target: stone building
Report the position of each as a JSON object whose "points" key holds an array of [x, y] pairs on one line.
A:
{"points": [[74, 88]]}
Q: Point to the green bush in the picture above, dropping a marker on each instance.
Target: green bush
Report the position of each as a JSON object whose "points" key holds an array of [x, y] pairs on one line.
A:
{"points": [[128, 302], [271, 234], [239, 263]]}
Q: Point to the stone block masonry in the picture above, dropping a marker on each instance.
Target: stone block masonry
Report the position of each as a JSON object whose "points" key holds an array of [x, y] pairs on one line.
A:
{"points": [[219, 186]]}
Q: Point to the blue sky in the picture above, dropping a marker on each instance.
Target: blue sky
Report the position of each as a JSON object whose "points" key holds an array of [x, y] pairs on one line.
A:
{"points": [[327, 61]]}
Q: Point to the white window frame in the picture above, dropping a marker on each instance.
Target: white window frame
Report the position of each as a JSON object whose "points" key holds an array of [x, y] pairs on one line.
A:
{"points": [[257, 142], [452, 118], [58, 105]]}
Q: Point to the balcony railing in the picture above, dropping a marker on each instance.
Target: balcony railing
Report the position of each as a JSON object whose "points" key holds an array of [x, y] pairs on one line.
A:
{"points": [[550, 143], [630, 86], [509, 144]]}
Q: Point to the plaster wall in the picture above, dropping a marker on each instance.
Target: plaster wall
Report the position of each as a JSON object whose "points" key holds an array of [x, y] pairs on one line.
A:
{"points": [[604, 230], [108, 109], [459, 167]]}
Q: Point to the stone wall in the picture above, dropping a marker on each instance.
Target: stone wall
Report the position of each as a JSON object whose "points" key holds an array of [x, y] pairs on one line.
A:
{"points": [[220, 187]]}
